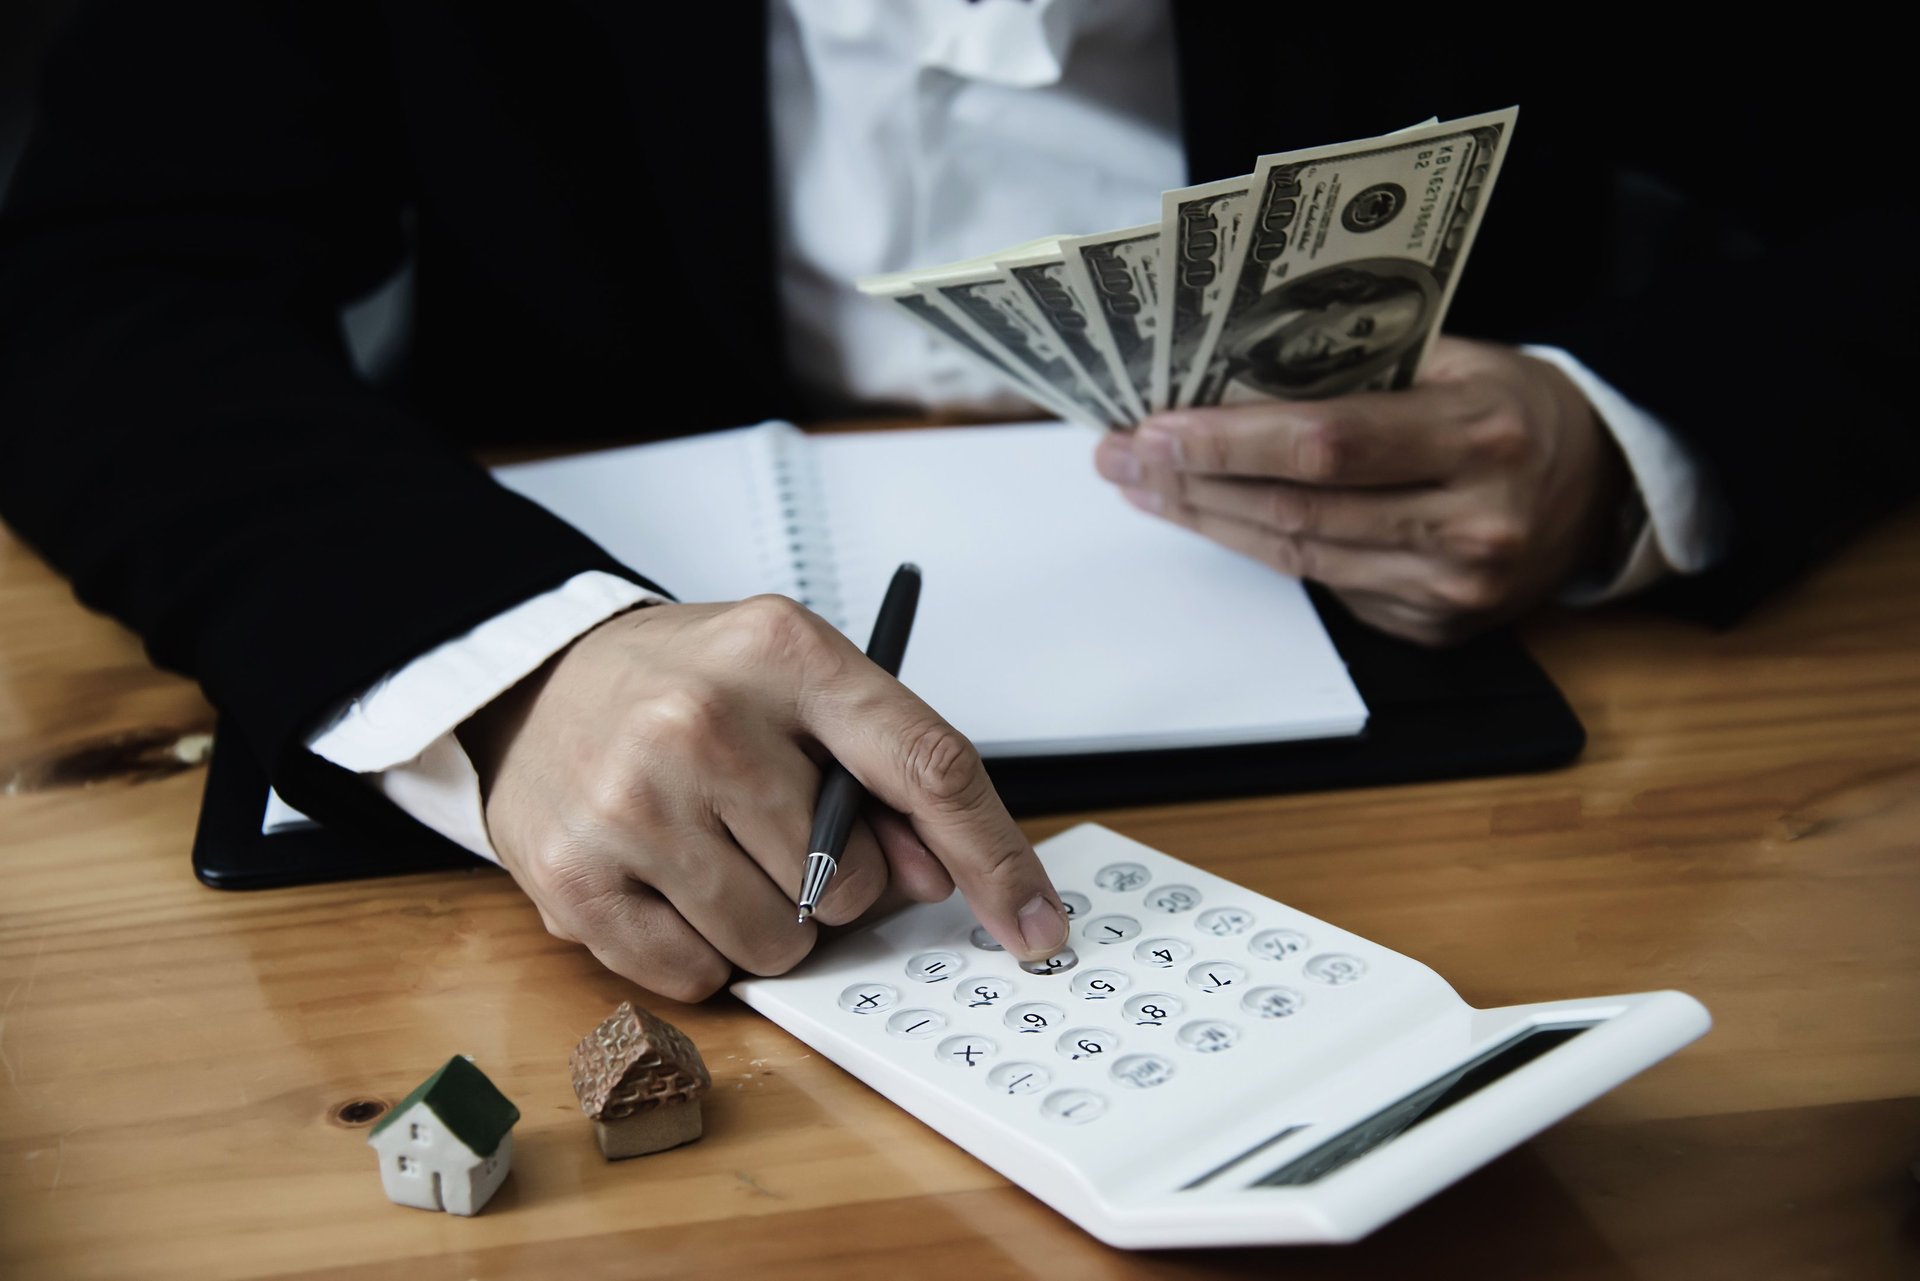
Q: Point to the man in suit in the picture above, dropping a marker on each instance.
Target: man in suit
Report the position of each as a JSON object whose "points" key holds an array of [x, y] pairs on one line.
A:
{"points": [[608, 237]]}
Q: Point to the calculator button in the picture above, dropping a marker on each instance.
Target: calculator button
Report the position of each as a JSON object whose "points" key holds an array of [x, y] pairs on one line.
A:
{"points": [[1019, 1078], [1073, 1107], [1174, 899], [1110, 929], [1121, 877], [1208, 1036], [966, 1051], [1087, 1042], [869, 998], [1272, 1002], [984, 941], [1031, 1017], [1162, 953], [984, 992], [1099, 985], [1076, 904], [935, 967], [1276, 945], [1334, 968], [1224, 922], [1153, 1009], [916, 1025], [1215, 976], [1142, 1071], [1058, 963]]}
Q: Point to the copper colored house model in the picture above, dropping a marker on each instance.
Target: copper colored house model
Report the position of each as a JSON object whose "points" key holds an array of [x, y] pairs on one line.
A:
{"points": [[640, 1080]]}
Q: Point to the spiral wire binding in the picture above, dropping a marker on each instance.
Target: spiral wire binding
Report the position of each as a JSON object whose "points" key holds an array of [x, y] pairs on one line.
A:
{"points": [[805, 559]]}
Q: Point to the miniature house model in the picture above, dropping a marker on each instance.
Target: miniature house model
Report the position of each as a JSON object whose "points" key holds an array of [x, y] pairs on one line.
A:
{"points": [[640, 1080], [447, 1145]]}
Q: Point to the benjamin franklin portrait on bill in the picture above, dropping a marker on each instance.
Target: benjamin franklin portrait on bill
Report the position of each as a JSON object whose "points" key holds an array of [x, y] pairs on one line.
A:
{"points": [[1333, 330]]}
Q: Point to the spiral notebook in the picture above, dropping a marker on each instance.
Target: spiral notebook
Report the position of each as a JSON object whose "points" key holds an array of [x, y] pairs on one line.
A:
{"points": [[1056, 619]]}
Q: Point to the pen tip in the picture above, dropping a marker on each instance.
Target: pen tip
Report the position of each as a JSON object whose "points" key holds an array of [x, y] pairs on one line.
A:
{"points": [[805, 912]]}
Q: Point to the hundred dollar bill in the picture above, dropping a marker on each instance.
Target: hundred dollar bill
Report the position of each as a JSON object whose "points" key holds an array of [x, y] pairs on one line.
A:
{"points": [[984, 300], [1118, 272], [901, 290], [1042, 274], [1348, 258], [1198, 229]]}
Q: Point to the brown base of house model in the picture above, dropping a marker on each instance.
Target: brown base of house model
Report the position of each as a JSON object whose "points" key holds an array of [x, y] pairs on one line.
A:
{"points": [[649, 1130]]}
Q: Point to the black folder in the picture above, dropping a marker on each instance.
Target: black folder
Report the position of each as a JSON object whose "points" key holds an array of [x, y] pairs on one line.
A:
{"points": [[1480, 708]]}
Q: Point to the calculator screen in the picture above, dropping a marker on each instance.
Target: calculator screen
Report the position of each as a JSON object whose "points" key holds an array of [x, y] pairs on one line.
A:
{"points": [[1428, 1101]]}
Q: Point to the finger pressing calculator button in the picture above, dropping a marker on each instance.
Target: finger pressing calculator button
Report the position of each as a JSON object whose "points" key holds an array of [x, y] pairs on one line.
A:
{"points": [[1073, 1107], [1100, 985], [1087, 1042], [869, 998], [1224, 922], [1019, 1078], [1272, 1002], [916, 1025], [1153, 1009], [1208, 1036], [1031, 1017], [1058, 963], [935, 967], [1276, 945], [1110, 929], [982, 993], [1334, 968], [1215, 976], [984, 941], [1174, 899], [1122, 877], [1162, 953], [966, 1051], [1075, 903], [1142, 1071]]}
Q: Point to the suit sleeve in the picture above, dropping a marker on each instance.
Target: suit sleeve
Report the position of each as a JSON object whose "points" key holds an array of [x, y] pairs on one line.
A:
{"points": [[181, 431]]}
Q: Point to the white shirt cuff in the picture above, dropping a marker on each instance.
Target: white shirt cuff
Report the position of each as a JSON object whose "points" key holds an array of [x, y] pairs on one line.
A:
{"points": [[401, 731], [1686, 525]]}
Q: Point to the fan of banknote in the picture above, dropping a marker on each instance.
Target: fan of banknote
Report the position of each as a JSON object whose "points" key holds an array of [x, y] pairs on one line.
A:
{"points": [[1322, 272]]}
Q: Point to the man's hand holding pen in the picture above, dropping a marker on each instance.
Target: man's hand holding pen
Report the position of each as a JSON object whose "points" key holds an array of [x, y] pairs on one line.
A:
{"points": [[653, 787]]}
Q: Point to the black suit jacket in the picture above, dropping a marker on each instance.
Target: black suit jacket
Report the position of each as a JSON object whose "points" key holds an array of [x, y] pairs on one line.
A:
{"points": [[585, 188]]}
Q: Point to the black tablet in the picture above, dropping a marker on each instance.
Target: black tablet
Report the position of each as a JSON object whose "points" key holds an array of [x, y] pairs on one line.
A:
{"points": [[1481, 708]]}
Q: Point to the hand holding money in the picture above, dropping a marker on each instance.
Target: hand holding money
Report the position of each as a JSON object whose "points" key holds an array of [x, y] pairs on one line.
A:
{"points": [[1432, 512]]}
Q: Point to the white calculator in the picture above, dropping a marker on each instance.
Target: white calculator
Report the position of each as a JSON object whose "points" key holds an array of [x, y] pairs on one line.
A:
{"points": [[1202, 1065]]}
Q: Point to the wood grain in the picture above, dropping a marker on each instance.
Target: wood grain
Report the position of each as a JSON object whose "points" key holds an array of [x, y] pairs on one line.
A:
{"points": [[1745, 826]]}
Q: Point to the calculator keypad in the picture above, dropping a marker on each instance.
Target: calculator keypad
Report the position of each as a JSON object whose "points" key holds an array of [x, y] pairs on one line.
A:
{"points": [[1095, 1031]]}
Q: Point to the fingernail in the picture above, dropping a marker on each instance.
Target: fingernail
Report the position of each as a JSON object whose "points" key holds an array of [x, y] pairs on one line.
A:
{"points": [[1117, 463], [1145, 499], [1042, 925], [1157, 446]]}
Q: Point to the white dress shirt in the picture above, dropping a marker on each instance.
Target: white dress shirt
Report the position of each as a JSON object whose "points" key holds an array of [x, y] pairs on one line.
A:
{"points": [[909, 134]]}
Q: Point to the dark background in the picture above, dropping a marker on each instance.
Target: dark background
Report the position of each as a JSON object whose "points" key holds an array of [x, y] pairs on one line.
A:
{"points": [[25, 28]]}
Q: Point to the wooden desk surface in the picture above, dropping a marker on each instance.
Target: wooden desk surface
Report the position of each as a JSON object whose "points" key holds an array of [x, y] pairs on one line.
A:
{"points": [[1745, 826]]}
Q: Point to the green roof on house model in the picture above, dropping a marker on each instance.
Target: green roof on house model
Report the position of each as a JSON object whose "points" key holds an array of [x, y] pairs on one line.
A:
{"points": [[467, 1103]]}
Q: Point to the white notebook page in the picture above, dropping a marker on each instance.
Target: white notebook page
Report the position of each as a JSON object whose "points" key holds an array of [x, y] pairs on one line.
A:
{"points": [[1055, 618]]}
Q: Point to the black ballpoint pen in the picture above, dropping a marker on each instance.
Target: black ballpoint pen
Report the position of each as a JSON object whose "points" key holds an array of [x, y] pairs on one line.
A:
{"points": [[840, 793]]}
